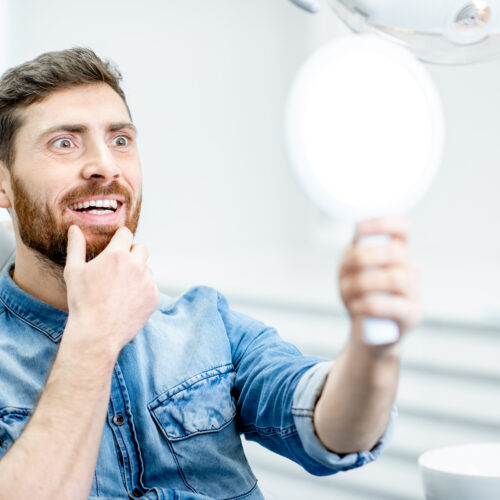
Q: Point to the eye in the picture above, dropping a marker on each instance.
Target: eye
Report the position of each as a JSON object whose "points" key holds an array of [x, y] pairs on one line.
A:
{"points": [[63, 143], [121, 141]]}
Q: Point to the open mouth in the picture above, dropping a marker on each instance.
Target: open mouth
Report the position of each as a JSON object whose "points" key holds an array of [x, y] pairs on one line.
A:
{"points": [[97, 207]]}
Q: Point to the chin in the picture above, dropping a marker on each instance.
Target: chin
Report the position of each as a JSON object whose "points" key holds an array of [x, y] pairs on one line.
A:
{"points": [[101, 231]]}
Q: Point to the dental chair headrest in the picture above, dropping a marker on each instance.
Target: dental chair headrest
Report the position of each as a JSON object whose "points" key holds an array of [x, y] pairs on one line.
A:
{"points": [[7, 246]]}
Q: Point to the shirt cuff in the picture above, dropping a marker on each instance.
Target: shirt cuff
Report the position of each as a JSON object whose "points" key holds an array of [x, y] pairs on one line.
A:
{"points": [[306, 394]]}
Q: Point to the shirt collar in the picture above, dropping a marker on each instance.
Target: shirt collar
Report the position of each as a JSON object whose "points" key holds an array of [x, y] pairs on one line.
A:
{"points": [[39, 315]]}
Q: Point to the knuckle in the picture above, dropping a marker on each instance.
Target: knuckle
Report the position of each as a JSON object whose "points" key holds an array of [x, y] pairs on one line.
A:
{"points": [[398, 251], [136, 272], [354, 306], [358, 258], [368, 306], [398, 280], [118, 255], [124, 230], [358, 284]]}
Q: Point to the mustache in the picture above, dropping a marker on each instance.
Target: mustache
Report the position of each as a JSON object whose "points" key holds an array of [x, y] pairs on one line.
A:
{"points": [[95, 188]]}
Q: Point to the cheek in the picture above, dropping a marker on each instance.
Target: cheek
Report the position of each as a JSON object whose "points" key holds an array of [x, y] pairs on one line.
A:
{"points": [[138, 188], [31, 189], [133, 176], [43, 184]]}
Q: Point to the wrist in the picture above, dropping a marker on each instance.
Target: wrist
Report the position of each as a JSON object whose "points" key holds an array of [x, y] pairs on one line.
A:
{"points": [[86, 340]]}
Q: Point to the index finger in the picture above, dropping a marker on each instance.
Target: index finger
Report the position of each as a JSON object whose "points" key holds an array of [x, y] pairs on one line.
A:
{"points": [[394, 226], [140, 251], [356, 258], [122, 239]]}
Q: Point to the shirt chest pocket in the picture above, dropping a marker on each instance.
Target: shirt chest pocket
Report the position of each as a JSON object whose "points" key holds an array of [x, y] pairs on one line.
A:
{"points": [[197, 419], [12, 423]]}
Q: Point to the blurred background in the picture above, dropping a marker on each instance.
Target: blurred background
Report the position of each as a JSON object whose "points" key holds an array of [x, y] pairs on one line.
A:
{"points": [[207, 82]]}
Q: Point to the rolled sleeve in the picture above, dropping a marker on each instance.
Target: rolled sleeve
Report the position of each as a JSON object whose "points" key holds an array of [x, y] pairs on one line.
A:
{"points": [[306, 394]]}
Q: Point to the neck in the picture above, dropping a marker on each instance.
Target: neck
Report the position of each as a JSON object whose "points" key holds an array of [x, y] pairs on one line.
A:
{"points": [[40, 277]]}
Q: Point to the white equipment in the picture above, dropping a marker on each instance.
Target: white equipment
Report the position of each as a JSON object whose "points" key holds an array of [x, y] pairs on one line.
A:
{"points": [[438, 31]]}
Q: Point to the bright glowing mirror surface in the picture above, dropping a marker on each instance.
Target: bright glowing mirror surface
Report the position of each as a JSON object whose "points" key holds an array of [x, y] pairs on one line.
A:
{"points": [[364, 127]]}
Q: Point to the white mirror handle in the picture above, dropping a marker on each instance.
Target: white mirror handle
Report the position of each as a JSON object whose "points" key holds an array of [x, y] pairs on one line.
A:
{"points": [[378, 331]]}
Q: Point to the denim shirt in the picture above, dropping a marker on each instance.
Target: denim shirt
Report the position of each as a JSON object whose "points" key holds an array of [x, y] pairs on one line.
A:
{"points": [[195, 378]]}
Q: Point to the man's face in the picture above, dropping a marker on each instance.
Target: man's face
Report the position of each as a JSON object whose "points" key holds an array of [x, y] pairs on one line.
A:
{"points": [[76, 162]]}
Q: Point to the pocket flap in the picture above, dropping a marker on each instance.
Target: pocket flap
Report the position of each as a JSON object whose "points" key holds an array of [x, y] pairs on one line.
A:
{"points": [[12, 423], [200, 404]]}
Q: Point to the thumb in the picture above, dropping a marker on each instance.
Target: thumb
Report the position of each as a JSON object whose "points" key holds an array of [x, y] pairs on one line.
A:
{"points": [[77, 246]]}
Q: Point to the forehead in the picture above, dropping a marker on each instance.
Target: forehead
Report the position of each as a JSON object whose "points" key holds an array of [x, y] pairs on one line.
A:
{"points": [[95, 105]]}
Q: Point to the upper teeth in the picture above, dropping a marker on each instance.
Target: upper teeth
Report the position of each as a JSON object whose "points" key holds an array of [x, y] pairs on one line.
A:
{"points": [[95, 203]]}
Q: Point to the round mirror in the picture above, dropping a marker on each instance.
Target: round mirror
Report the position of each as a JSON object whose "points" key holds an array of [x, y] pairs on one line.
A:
{"points": [[364, 128], [364, 132]]}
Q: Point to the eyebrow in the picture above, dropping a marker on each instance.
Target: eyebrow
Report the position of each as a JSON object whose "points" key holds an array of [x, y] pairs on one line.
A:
{"points": [[80, 129]]}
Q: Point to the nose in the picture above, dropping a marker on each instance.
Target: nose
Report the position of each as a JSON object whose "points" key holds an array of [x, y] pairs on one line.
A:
{"points": [[100, 164]]}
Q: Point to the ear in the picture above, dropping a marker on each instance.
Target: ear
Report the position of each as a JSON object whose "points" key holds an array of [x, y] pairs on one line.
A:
{"points": [[6, 196]]}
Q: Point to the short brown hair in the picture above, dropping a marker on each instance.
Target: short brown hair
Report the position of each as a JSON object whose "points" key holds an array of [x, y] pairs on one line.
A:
{"points": [[32, 81]]}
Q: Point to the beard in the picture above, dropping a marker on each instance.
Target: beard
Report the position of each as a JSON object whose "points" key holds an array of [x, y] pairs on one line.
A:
{"points": [[41, 230]]}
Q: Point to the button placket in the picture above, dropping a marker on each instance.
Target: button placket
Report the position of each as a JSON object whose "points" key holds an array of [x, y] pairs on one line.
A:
{"points": [[120, 421]]}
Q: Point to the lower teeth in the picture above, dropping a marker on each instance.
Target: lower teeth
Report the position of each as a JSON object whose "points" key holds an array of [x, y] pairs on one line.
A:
{"points": [[100, 212]]}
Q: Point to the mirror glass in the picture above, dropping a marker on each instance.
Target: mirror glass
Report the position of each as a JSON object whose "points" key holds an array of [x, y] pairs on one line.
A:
{"points": [[364, 127]]}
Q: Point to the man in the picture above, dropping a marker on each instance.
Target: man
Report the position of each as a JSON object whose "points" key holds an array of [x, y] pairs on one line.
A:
{"points": [[110, 389]]}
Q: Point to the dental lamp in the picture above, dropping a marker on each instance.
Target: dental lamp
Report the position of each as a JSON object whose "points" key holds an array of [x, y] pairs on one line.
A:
{"points": [[437, 31]]}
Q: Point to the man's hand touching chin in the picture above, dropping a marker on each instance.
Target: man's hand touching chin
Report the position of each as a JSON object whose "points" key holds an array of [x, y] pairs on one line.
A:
{"points": [[115, 290], [110, 298]]}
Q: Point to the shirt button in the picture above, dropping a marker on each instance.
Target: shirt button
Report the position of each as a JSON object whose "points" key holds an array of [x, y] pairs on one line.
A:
{"points": [[119, 419], [137, 493]]}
